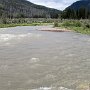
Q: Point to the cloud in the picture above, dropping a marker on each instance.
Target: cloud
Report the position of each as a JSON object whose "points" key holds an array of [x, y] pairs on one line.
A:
{"points": [[57, 4]]}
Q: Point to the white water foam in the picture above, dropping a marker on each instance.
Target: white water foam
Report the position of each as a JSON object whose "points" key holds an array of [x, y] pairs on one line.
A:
{"points": [[34, 60], [7, 37], [43, 88], [52, 88]]}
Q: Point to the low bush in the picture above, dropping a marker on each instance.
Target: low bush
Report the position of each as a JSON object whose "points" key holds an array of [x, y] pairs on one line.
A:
{"points": [[72, 23], [87, 25], [56, 24]]}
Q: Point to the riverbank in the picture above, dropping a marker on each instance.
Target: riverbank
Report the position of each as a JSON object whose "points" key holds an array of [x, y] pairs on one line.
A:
{"points": [[4, 23], [51, 29], [55, 29], [79, 26], [23, 24]]}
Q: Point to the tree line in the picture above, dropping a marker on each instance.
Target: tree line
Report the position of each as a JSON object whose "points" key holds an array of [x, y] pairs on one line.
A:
{"points": [[25, 9], [81, 13]]}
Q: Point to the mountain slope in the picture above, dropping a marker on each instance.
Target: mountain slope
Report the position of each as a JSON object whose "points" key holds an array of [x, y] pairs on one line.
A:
{"points": [[82, 3], [24, 8], [78, 10]]}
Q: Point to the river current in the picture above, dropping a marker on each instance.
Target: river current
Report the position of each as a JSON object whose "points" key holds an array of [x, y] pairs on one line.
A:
{"points": [[40, 60]]}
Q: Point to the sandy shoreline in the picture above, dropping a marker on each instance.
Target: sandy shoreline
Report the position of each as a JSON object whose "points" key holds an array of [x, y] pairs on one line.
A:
{"points": [[55, 29]]}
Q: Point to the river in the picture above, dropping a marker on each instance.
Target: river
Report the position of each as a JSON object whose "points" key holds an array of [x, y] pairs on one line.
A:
{"points": [[40, 60]]}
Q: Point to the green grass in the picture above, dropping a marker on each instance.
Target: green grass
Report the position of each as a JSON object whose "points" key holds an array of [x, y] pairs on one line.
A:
{"points": [[6, 22], [80, 26], [22, 24]]}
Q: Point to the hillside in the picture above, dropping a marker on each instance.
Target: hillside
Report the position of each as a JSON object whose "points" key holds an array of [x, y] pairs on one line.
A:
{"points": [[82, 3], [24, 8], [79, 9]]}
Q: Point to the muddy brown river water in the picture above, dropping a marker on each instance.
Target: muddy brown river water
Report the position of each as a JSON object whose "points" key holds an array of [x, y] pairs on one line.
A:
{"points": [[41, 60]]}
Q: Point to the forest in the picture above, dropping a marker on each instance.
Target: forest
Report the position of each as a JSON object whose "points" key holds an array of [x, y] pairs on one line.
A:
{"points": [[25, 9], [81, 13], [78, 10]]}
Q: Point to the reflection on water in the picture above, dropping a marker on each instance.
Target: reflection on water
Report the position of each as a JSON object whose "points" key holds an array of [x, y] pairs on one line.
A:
{"points": [[39, 60]]}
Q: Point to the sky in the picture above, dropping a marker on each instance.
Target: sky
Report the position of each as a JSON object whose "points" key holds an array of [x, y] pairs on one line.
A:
{"points": [[57, 4]]}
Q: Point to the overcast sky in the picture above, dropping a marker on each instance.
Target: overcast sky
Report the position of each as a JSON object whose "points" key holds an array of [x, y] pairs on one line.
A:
{"points": [[57, 4]]}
